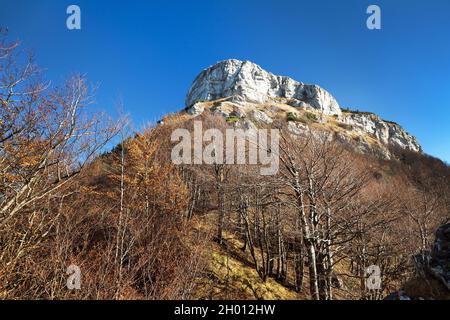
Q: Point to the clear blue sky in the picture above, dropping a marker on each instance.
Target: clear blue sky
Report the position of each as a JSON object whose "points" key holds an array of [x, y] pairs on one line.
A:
{"points": [[147, 53]]}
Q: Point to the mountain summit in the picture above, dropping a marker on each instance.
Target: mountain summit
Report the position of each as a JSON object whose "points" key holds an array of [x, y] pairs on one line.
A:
{"points": [[245, 81], [244, 93]]}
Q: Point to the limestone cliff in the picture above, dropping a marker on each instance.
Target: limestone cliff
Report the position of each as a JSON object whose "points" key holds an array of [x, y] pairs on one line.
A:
{"points": [[253, 96]]}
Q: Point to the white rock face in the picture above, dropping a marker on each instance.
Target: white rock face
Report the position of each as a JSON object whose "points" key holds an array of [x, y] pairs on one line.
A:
{"points": [[257, 97], [298, 128], [388, 133], [196, 109], [262, 117], [244, 81]]}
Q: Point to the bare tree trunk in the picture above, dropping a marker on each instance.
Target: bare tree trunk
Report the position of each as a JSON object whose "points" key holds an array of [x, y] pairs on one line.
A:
{"points": [[281, 261], [244, 214], [310, 245], [119, 243], [219, 173], [329, 256], [299, 257]]}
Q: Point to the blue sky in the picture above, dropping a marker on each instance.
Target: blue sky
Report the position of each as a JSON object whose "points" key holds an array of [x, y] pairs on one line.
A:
{"points": [[147, 53]]}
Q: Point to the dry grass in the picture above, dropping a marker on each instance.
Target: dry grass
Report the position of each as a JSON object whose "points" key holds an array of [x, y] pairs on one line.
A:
{"points": [[231, 276]]}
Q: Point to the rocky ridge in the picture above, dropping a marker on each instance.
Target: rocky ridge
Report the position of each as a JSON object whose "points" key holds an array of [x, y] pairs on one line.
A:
{"points": [[246, 93], [244, 81]]}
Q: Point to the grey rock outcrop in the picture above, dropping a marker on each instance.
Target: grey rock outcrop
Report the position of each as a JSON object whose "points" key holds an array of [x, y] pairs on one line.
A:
{"points": [[244, 89], [244, 81], [298, 128], [196, 109], [440, 256], [431, 265], [388, 133], [261, 117]]}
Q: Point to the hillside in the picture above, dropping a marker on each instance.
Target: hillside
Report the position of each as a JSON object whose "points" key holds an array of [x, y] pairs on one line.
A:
{"points": [[241, 95], [243, 92], [350, 200]]}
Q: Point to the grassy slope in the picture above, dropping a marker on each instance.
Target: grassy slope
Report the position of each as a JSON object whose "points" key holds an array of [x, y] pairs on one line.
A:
{"points": [[230, 274]]}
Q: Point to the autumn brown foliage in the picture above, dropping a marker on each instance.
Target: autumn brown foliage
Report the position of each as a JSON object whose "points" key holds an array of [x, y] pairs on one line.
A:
{"points": [[138, 226], [120, 216]]}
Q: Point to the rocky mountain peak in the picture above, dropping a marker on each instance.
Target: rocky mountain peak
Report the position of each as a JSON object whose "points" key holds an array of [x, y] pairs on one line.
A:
{"points": [[245, 81], [243, 92]]}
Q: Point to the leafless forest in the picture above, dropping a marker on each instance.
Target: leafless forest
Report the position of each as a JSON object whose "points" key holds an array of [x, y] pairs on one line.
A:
{"points": [[140, 227]]}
